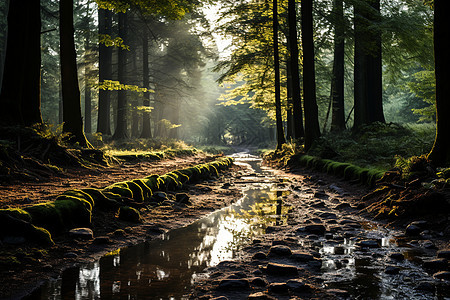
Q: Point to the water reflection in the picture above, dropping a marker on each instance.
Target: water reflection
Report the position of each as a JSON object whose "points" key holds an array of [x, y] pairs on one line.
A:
{"points": [[166, 268]]}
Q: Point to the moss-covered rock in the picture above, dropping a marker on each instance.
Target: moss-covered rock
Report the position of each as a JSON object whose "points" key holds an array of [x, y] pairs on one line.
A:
{"points": [[12, 226], [129, 214], [146, 190], [138, 194]]}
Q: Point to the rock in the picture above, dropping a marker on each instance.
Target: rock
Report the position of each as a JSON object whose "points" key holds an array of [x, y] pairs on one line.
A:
{"points": [[298, 286], [278, 288], [225, 185], [280, 250], [129, 214], [426, 286], [421, 224], [258, 281], [82, 233], [318, 229], [14, 240], [321, 195], [102, 240], [397, 256], [152, 229], [159, 197], [445, 253], [439, 264], [260, 296], [70, 255], [392, 270], [445, 275], [429, 245], [335, 189], [234, 284], [271, 229], [343, 206], [327, 215], [302, 256], [368, 244], [219, 298], [182, 198], [315, 264], [339, 293], [119, 233], [412, 230], [281, 269], [278, 242], [259, 256]]}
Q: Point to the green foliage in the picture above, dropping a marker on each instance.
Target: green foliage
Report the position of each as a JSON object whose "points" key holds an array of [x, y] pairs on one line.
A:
{"points": [[424, 86], [108, 41], [112, 85], [414, 166]]}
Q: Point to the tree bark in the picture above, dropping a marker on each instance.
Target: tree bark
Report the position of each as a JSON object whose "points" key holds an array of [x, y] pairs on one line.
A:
{"points": [[312, 130], [121, 131], [73, 121], [337, 82], [440, 153], [368, 90], [298, 130], [20, 96], [105, 73], [276, 59], [87, 85], [146, 125]]}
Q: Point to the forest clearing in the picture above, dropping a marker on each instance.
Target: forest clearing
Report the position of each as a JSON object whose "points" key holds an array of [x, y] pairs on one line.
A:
{"points": [[183, 149]]}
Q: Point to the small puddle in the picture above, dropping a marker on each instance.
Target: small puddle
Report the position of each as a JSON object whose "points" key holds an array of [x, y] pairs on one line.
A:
{"points": [[166, 268]]}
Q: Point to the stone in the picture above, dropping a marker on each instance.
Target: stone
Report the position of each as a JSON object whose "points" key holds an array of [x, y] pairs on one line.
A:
{"points": [[392, 270], [278, 288], [271, 229], [159, 196], [182, 198], [259, 256], [278, 242], [413, 230], [315, 264], [280, 250], [327, 215], [281, 269], [70, 255], [14, 240], [445, 275], [119, 233], [82, 233], [422, 224], [298, 286], [397, 256], [260, 296], [258, 281], [429, 245], [426, 286], [339, 293], [439, 264], [234, 284], [219, 298], [445, 253], [368, 244], [321, 195], [318, 229], [302, 256], [102, 240]]}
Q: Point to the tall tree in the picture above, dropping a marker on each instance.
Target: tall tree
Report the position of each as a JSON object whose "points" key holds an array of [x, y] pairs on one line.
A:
{"points": [[294, 71], [276, 60], [337, 81], [146, 125], [87, 68], [440, 153], [73, 121], [121, 131], [368, 95], [20, 92], [105, 72], [312, 130]]}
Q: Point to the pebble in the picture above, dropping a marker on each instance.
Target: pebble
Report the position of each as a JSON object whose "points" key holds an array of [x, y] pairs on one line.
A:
{"points": [[280, 250], [392, 270], [412, 230], [318, 229], [260, 296], [278, 288], [425, 286], [258, 281], [368, 244], [328, 215], [259, 256], [321, 195], [343, 206], [444, 253], [439, 264], [339, 293], [82, 233], [302, 256], [429, 245], [397, 256], [233, 284], [442, 275], [102, 240], [70, 255], [298, 286]]}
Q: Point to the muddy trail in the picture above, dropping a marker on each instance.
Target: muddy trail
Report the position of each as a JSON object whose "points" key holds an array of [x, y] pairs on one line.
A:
{"points": [[288, 236]]}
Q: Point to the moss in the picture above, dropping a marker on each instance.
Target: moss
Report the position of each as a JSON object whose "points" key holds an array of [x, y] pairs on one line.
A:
{"points": [[183, 178], [146, 191], [101, 200], [79, 194], [153, 182], [138, 194], [171, 181], [16, 213], [119, 189], [129, 214], [12, 226], [9, 261]]}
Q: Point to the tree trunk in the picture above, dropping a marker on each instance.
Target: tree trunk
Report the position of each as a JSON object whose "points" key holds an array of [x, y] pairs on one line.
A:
{"points": [[146, 125], [368, 90], [122, 109], [440, 153], [312, 130], [289, 116], [105, 72], [279, 122], [87, 85], [20, 96], [297, 111], [337, 82], [73, 121]]}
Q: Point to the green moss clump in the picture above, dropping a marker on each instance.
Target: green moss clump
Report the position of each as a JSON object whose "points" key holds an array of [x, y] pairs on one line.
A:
{"points": [[153, 182], [146, 191], [121, 189], [138, 194], [16, 213], [79, 194], [12, 226], [129, 214]]}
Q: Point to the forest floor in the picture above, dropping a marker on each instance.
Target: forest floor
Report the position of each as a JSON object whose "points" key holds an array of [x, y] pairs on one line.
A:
{"points": [[30, 266]]}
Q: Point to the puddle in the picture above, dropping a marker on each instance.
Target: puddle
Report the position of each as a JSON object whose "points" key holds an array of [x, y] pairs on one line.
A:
{"points": [[166, 268]]}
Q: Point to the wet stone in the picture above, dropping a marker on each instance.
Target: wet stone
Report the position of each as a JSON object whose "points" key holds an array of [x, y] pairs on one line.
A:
{"points": [[328, 215], [298, 286], [429, 245], [233, 284], [444, 253], [159, 196], [302, 256], [321, 195], [281, 269], [440, 264], [343, 206], [271, 229], [397, 256], [278, 288], [182, 198], [258, 281], [14, 240], [445, 275], [82, 233], [315, 264], [278, 242], [70, 255], [101, 240], [425, 286], [280, 250], [339, 293], [412, 230], [368, 244], [422, 224], [259, 255], [318, 229], [260, 296], [392, 270], [219, 298]]}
